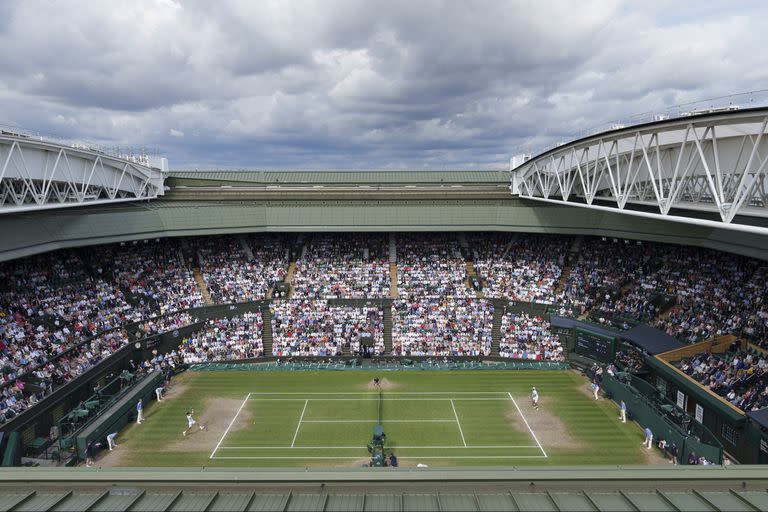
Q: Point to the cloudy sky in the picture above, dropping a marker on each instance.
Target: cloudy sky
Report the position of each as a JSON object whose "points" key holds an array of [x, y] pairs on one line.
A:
{"points": [[355, 84]]}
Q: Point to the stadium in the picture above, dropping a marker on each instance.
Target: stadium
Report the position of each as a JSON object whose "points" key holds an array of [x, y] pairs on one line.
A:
{"points": [[343, 255], [332, 322]]}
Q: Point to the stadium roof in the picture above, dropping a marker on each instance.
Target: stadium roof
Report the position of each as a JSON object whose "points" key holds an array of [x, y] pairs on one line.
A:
{"points": [[652, 340], [344, 176], [578, 488]]}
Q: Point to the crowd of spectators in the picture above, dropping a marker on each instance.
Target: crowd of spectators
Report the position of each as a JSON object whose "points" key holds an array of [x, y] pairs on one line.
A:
{"points": [[525, 336], [343, 267], [442, 326], [159, 325], [713, 293], [520, 267], [306, 327], [710, 289], [237, 337], [50, 305], [46, 375], [600, 267], [156, 269], [738, 375], [630, 358], [754, 325], [54, 302], [241, 269], [431, 265]]}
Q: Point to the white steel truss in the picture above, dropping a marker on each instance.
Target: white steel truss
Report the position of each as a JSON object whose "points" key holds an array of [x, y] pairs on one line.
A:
{"points": [[38, 175], [716, 164]]}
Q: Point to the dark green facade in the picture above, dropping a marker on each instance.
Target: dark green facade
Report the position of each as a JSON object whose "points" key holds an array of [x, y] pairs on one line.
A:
{"points": [[233, 202]]}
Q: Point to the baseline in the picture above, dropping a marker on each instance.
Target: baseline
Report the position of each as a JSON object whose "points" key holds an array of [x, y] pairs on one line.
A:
{"points": [[331, 457], [424, 447]]}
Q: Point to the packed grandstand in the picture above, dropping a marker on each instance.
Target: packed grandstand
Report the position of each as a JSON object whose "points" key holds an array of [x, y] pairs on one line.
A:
{"points": [[437, 295]]}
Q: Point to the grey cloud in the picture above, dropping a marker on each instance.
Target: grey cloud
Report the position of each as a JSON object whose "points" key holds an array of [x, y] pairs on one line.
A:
{"points": [[343, 83]]}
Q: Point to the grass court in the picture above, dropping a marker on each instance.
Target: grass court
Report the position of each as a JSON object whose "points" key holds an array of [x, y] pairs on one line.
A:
{"points": [[325, 418]]}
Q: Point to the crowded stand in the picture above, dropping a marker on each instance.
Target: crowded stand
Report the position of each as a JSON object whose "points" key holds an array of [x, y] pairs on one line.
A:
{"points": [[222, 339], [305, 327], [154, 326], [49, 304], [155, 269], [520, 268], [754, 325], [54, 302], [233, 275], [602, 266], [525, 336], [343, 267], [629, 358], [48, 375], [66, 296], [709, 287], [431, 265], [445, 326], [738, 375]]}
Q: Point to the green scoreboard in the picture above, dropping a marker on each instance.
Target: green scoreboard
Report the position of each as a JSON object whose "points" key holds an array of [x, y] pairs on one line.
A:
{"points": [[595, 346]]}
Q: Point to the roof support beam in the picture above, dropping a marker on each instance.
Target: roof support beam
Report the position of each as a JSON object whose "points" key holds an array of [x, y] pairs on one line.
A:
{"points": [[716, 164]]}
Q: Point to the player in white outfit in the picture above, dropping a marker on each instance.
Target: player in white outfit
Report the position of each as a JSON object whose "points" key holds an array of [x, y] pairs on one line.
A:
{"points": [[535, 398], [191, 423], [111, 440]]}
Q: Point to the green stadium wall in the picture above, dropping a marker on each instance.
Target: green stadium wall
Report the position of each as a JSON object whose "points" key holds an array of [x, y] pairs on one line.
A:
{"points": [[31, 233]]}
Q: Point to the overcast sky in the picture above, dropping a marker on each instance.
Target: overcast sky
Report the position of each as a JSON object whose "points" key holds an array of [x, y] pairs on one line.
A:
{"points": [[354, 84]]}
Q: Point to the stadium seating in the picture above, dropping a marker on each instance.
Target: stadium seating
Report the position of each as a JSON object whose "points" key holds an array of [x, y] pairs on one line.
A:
{"points": [[431, 266], [343, 267], [232, 275], [428, 326], [224, 339], [525, 336], [738, 375], [524, 269], [316, 328], [62, 312]]}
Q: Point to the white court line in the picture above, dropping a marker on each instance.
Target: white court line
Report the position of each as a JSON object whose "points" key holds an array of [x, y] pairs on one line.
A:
{"points": [[230, 425], [374, 399], [299, 425], [458, 423], [481, 457], [427, 447], [527, 425], [377, 421], [376, 393]]}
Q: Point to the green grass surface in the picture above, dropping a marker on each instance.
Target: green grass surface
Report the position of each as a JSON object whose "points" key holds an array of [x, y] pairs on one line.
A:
{"points": [[326, 418]]}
